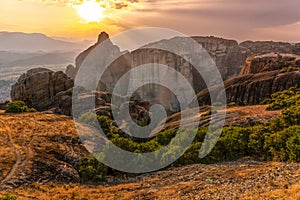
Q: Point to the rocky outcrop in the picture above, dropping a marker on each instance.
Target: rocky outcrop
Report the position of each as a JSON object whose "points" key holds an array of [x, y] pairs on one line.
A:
{"points": [[228, 55], [71, 71], [270, 62], [264, 47], [44, 89], [39, 87], [115, 70], [260, 78]]}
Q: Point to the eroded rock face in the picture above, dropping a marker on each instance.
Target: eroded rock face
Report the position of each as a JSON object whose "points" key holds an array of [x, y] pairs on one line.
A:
{"points": [[260, 78], [39, 87], [264, 47], [270, 62], [116, 69], [228, 55]]}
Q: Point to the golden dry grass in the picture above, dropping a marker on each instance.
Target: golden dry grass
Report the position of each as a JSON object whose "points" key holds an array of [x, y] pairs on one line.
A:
{"points": [[236, 180], [32, 143], [37, 135]]}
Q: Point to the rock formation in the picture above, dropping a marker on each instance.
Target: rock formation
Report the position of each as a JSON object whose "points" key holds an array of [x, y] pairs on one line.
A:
{"points": [[270, 62], [260, 78], [39, 87], [115, 70], [261, 75], [228, 55]]}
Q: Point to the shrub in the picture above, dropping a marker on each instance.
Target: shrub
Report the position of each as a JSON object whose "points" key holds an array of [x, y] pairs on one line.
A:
{"points": [[18, 107], [257, 139], [235, 141], [231, 104], [284, 99], [89, 119], [8, 197], [283, 145], [91, 170], [105, 123]]}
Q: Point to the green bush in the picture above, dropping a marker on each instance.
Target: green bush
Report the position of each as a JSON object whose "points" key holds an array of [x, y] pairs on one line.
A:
{"points": [[89, 119], [285, 99], [105, 123], [8, 197], [283, 145], [231, 104], [277, 140], [91, 170], [18, 107]]}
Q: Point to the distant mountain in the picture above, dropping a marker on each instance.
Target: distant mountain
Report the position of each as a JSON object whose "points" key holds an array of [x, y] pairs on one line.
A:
{"points": [[13, 59], [33, 42]]}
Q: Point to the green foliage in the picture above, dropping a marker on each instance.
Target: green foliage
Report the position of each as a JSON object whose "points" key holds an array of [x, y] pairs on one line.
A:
{"points": [[284, 145], [105, 123], [235, 140], [288, 69], [285, 99], [91, 170], [89, 119], [18, 107], [8, 197], [231, 104], [277, 140]]}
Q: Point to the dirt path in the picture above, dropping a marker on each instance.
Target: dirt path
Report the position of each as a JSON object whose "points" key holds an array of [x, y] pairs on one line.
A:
{"points": [[17, 151]]}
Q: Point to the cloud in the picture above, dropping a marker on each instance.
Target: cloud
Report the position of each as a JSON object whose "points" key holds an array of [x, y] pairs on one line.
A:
{"points": [[227, 18]]}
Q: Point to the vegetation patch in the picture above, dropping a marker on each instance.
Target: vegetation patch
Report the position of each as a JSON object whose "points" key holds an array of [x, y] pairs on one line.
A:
{"points": [[278, 140], [18, 107]]}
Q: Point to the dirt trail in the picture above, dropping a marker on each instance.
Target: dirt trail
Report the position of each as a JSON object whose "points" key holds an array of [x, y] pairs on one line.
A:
{"points": [[17, 151]]}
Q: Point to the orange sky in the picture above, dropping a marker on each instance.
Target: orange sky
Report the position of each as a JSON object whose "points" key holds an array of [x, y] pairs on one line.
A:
{"points": [[236, 19]]}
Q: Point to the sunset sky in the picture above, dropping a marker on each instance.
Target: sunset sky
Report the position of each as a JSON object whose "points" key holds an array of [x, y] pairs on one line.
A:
{"points": [[237, 19]]}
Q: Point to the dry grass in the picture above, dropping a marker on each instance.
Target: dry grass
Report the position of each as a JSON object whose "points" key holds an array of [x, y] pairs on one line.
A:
{"points": [[236, 180], [39, 138], [34, 148]]}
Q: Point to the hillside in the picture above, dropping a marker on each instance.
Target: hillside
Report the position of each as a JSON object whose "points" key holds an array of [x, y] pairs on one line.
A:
{"points": [[38, 147], [44, 148]]}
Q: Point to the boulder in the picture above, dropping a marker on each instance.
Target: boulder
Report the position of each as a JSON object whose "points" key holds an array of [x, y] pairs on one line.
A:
{"points": [[39, 87]]}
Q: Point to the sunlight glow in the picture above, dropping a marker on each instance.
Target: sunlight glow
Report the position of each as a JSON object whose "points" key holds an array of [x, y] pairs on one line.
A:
{"points": [[90, 11]]}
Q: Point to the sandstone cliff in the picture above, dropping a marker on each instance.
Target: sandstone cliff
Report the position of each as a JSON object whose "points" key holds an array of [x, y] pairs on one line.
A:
{"points": [[270, 62], [260, 78]]}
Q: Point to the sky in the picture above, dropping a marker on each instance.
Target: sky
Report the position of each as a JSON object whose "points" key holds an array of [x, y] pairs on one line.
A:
{"points": [[236, 19]]}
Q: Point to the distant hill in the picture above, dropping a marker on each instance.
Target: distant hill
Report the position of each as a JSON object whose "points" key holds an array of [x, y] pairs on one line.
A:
{"points": [[12, 59], [33, 42]]}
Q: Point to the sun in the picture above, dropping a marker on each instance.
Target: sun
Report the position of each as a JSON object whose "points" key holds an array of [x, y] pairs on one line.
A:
{"points": [[90, 11]]}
